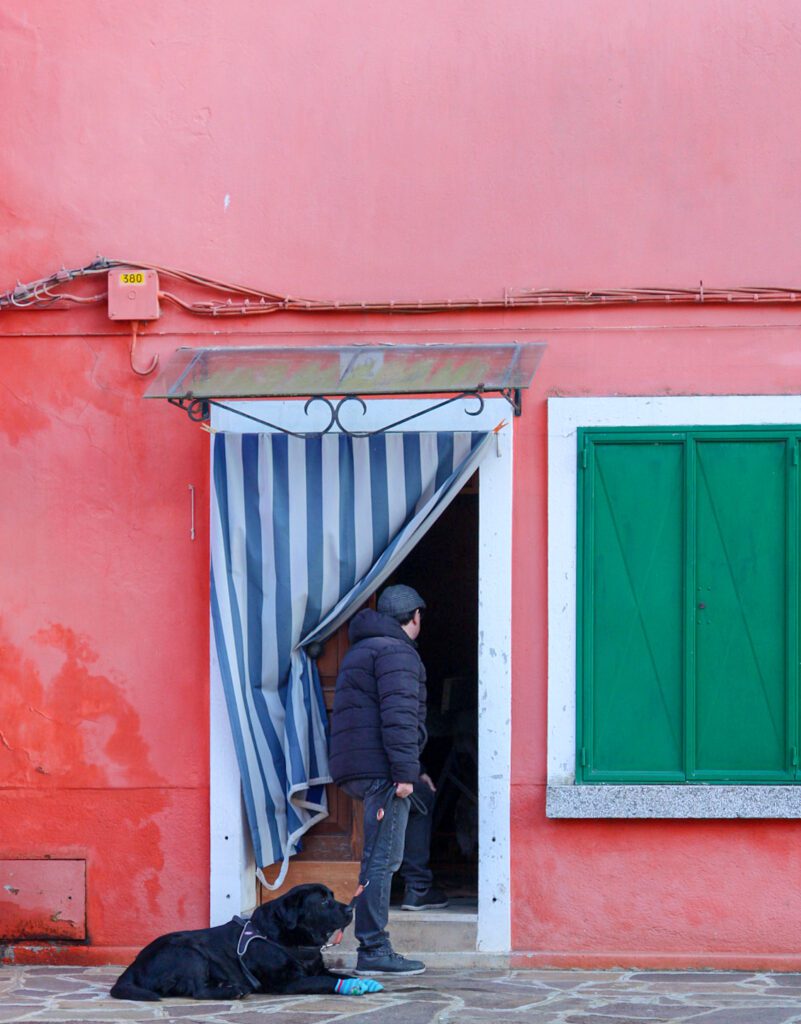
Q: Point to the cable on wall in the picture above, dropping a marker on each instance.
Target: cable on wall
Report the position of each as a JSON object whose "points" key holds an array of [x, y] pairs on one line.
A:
{"points": [[233, 300]]}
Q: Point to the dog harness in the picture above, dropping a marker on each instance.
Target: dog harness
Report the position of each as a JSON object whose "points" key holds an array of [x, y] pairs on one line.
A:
{"points": [[246, 936], [250, 932]]}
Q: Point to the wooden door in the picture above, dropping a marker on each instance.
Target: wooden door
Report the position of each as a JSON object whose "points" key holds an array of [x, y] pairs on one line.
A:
{"points": [[332, 849]]}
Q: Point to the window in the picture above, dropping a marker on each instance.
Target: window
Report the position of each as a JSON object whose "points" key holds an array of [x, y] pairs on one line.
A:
{"points": [[687, 605]]}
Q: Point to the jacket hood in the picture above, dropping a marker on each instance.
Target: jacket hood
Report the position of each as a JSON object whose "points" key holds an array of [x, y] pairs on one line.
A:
{"points": [[368, 623]]}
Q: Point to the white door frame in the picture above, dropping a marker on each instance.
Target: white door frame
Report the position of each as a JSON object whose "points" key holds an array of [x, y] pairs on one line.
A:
{"points": [[233, 879]]}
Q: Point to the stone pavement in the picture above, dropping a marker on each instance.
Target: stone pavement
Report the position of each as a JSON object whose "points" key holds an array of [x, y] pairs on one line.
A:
{"points": [[80, 994]]}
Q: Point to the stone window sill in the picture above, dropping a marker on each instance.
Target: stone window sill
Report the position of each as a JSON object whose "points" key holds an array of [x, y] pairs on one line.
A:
{"points": [[690, 801]]}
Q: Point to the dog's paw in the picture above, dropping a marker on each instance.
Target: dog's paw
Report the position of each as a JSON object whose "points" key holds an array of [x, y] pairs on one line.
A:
{"points": [[357, 986], [230, 992]]}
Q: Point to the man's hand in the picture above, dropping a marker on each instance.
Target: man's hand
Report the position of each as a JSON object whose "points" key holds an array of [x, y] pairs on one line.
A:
{"points": [[428, 781], [403, 789]]}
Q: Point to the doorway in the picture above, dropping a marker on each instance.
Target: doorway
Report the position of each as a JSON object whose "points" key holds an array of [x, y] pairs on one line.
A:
{"points": [[443, 568], [232, 877]]}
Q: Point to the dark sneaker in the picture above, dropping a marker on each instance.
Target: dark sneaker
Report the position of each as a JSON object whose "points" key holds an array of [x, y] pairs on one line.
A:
{"points": [[431, 899], [386, 961]]}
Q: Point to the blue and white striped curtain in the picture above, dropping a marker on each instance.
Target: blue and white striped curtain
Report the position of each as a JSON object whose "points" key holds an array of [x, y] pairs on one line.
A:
{"points": [[303, 531]]}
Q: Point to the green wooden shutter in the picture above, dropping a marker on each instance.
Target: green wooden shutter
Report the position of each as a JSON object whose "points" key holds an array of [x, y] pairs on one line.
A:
{"points": [[633, 609], [688, 654], [741, 723]]}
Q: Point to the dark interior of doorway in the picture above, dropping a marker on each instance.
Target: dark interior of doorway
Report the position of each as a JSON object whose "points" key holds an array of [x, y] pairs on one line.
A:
{"points": [[443, 568]]}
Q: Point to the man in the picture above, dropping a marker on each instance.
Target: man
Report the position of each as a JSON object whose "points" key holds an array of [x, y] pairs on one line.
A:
{"points": [[377, 734]]}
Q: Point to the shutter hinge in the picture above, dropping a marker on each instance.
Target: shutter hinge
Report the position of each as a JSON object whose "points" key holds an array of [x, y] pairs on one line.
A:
{"points": [[583, 757], [794, 756], [795, 454]]}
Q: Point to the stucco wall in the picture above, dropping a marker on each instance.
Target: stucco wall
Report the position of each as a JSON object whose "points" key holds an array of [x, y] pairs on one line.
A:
{"points": [[655, 893], [406, 150], [103, 635], [375, 152]]}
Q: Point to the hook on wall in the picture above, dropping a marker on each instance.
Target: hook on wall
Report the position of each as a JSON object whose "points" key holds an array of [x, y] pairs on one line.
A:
{"points": [[155, 361]]}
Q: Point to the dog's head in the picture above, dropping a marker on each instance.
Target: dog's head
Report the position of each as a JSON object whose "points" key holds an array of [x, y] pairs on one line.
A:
{"points": [[305, 916]]}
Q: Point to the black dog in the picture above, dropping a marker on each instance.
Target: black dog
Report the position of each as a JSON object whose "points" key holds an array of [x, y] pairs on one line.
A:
{"points": [[279, 953]]}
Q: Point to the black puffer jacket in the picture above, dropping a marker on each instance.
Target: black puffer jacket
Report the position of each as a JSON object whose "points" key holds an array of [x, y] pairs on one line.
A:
{"points": [[378, 724]]}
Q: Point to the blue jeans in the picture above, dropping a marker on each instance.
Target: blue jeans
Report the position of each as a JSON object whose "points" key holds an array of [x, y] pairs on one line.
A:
{"points": [[381, 857]]}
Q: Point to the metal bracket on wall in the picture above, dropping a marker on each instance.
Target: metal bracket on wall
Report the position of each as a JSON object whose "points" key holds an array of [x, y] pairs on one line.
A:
{"points": [[514, 396], [199, 410], [192, 530]]}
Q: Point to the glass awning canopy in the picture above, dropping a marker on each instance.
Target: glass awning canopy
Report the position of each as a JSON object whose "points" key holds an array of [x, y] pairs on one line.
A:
{"points": [[288, 372]]}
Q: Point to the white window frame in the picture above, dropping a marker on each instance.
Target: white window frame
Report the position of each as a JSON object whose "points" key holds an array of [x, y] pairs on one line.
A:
{"points": [[564, 798], [233, 879]]}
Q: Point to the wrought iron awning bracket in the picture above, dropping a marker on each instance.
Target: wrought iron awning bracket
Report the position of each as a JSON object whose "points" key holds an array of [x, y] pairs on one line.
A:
{"points": [[199, 410], [514, 396]]}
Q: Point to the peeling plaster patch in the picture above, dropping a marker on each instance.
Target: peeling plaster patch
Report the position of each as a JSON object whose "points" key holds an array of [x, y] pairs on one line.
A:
{"points": [[36, 711], [226, 202], [73, 725], [200, 122], [49, 900]]}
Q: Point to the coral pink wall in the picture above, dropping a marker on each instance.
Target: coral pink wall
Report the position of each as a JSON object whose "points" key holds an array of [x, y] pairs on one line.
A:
{"points": [[648, 893], [103, 635], [376, 152], [417, 149]]}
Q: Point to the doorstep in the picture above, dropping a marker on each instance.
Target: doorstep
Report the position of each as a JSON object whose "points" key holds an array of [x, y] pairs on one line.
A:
{"points": [[441, 938]]}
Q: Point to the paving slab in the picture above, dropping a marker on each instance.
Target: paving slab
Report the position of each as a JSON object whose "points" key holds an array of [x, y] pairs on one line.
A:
{"points": [[79, 995]]}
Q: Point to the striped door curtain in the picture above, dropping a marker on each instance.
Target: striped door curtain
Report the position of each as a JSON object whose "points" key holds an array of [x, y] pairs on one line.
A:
{"points": [[304, 530]]}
